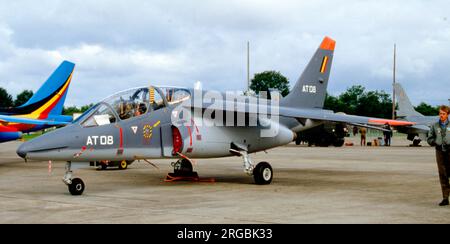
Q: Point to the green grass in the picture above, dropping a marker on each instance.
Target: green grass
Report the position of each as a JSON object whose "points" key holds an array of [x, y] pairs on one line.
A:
{"points": [[29, 136]]}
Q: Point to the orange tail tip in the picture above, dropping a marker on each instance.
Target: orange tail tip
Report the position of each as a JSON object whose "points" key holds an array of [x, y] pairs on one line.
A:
{"points": [[328, 44]]}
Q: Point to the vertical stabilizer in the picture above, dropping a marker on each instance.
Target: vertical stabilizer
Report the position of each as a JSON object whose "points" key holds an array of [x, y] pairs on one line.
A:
{"points": [[311, 88], [405, 107]]}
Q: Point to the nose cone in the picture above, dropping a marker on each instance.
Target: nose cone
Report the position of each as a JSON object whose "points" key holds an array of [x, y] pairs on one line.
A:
{"points": [[39, 147], [22, 150]]}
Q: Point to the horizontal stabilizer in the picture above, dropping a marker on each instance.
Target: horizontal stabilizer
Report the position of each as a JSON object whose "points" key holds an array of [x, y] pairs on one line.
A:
{"points": [[11, 119]]}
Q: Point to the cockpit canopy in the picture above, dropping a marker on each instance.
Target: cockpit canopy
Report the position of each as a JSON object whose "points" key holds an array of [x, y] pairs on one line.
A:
{"points": [[132, 103]]}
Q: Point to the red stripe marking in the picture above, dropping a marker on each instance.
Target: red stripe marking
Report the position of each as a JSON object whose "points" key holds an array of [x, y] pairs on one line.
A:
{"points": [[196, 128], [7, 129], [18, 127], [190, 135], [121, 138]]}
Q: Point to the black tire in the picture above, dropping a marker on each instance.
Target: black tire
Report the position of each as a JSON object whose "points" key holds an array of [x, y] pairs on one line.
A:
{"points": [[416, 142], [103, 166], [77, 187], [263, 173], [324, 141], [184, 167], [123, 164], [338, 142]]}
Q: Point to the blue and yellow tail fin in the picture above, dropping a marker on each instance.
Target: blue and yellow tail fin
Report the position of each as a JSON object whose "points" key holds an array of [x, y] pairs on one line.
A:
{"points": [[50, 98]]}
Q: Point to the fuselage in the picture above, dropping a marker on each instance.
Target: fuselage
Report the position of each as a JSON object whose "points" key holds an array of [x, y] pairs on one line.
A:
{"points": [[158, 125]]}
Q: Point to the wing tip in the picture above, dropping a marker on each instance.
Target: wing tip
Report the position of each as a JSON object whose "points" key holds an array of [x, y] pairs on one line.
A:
{"points": [[391, 122]]}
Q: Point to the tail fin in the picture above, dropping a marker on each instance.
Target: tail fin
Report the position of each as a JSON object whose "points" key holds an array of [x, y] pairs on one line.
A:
{"points": [[405, 107], [311, 88], [50, 98]]}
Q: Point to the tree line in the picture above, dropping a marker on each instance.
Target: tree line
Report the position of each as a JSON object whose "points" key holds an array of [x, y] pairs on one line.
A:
{"points": [[7, 101]]}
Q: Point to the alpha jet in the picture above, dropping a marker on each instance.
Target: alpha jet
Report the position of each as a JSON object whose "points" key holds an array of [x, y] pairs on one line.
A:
{"points": [[170, 122]]}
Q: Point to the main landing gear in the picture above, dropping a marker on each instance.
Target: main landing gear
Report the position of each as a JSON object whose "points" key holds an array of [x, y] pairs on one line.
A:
{"points": [[182, 170], [76, 185], [262, 172]]}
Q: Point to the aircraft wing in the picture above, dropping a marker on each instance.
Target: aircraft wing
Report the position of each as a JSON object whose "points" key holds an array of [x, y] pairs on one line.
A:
{"points": [[304, 113], [335, 117], [12, 119]]}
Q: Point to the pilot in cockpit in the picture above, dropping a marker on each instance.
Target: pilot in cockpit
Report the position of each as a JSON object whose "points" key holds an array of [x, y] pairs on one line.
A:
{"points": [[140, 108], [125, 110]]}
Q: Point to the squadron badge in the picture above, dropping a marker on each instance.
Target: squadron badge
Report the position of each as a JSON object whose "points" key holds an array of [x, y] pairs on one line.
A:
{"points": [[147, 131]]}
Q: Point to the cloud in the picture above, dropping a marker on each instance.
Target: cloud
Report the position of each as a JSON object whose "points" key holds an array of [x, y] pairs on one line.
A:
{"points": [[124, 44]]}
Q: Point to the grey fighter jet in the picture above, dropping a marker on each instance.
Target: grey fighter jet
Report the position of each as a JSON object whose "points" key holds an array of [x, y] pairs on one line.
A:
{"points": [[406, 111], [172, 122]]}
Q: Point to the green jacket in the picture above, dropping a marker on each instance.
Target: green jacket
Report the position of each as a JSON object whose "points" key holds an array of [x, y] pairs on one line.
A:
{"points": [[439, 137]]}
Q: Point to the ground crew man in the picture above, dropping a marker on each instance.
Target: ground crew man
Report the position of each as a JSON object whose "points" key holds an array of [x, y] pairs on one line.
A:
{"points": [[439, 137], [363, 132], [387, 135]]}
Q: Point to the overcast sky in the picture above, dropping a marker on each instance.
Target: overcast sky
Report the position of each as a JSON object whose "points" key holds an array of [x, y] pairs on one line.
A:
{"points": [[121, 44]]}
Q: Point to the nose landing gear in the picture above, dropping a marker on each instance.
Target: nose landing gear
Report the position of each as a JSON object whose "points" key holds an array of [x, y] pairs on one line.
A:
{"points": [[76, 185]]}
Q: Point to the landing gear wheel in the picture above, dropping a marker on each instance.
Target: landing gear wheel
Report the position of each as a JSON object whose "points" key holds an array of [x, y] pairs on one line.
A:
{"points": [[183, 167], [323, 141], [103, 166], [123, 164], [263, 173], [76, 187], [182, 170], [338, 142], [416, 142]]}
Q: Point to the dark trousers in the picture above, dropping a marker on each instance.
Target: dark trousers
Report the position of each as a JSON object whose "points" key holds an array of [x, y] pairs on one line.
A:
{"points": [[443, 163], [387, 141]]}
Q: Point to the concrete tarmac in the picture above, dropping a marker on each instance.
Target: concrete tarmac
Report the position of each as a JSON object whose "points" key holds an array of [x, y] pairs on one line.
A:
{"points": [[397, 184]]}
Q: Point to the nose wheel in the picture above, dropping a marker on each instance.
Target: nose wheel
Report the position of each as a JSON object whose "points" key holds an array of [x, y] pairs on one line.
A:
{"points": [[76, 185]]}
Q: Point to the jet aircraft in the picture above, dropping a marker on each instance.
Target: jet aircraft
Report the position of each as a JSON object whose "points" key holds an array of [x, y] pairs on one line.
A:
{"points": [[406, 111], [155, 122], [42, 110]]}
